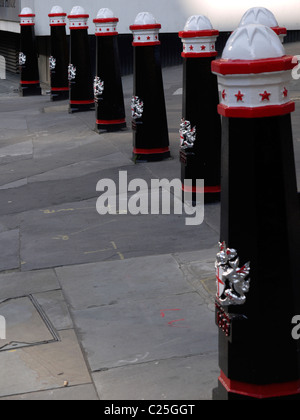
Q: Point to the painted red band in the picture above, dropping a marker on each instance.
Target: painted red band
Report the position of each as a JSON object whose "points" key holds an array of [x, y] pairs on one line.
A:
{"points": [[198, 34], [279, 30], [268, 65], [197, 55], [260, 391], [143, 27], [72, 28], [78, 16], [106, 33], [106, 20], [30, 82], [88, 102], [29, 15], [108, 122], [150, 151], [27, 24], [58, 24], [62, 89], [57, 15], [145, 44], [194, 189], [259, 112]]}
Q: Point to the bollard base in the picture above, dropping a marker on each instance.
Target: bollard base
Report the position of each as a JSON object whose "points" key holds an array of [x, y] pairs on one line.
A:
{"points": [[110, 126], [30, 90], [61, 95], [81, 107], [147, 156], [192, 169], [228, 390], [211, 194]]}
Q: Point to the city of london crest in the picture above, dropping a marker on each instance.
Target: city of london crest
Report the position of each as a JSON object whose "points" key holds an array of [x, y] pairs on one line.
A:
{"points": [[98, 88], [71, 72], [233, 282], [22, 59], [187, 135], [52, 63], [137, 107]]}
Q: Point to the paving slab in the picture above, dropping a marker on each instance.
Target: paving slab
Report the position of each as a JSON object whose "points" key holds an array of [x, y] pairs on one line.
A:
{"points": [[62, 238], [73, 393], [133, 279], [139, 331], [15, 152], [189, 378], [10, 250], [18, 284], [78, 169], [25, 325], [43, 367], [55, 307]]}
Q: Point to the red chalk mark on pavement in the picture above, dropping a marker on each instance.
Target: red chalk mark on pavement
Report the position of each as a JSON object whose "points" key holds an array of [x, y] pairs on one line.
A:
{"points": [[162, 312], [172, 323]]}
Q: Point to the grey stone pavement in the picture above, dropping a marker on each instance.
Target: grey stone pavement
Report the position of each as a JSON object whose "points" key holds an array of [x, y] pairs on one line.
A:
{"points": [[114, 307]]}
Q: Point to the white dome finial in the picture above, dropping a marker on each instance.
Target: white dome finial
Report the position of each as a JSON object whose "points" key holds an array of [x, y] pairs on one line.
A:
{"points": [[105, 13], [253, 42], [26, 11], [145, 18], [198, 23], [259, 15], [57, 10], [77, 10]]}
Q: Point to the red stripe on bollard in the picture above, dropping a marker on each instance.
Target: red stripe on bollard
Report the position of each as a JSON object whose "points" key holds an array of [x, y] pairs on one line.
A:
{"points": [[150, 151], [260, 391], [82, 102], [107, 122]]}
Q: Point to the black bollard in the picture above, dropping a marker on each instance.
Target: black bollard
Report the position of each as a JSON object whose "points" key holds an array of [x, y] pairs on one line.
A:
{"points": [[28, 56], [263, 16], [150, 128], [59, 59], [258, 263], [108, 89], [80, 70], [200, 132]]}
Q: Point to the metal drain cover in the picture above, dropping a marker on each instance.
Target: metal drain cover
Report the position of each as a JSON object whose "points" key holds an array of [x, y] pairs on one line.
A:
{"points": [[26, 324]]}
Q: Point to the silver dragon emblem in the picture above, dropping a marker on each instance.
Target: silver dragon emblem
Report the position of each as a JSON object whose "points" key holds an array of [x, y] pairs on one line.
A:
{"points": [[52, 63], [233, 282], [187, 135], [98, 87], [71, 72], [137, 107], [22, 59]]}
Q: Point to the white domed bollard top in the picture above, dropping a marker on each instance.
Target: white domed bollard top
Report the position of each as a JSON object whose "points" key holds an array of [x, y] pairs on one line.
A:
{"points": [[27, 17], [106, 23], [57, 16], [78, 18], [199, 37], [254, 74], [263, 16], [145, 30]]}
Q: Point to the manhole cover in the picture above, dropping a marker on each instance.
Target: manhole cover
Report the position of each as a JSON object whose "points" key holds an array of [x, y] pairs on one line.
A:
{"points": [[26, 324]]}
